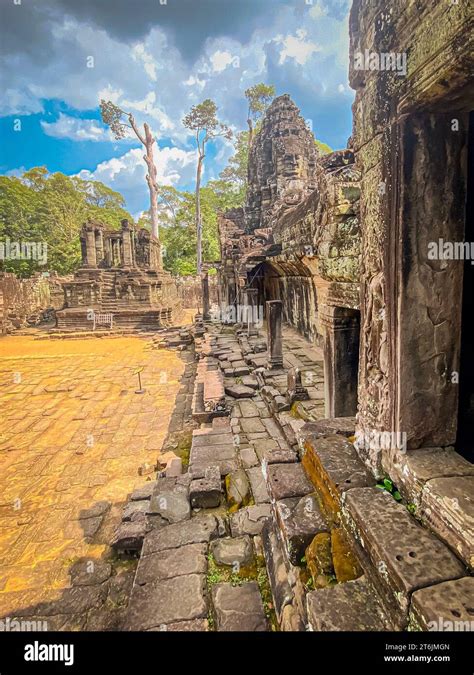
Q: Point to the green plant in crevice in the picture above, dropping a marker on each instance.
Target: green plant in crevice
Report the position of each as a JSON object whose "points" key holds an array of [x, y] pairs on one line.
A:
{"points": [[388, 485]]}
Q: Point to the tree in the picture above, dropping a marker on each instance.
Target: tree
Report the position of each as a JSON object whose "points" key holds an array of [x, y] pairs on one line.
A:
{"points": [[115, 117], [202, 120], [323, 148], [235, 173], [259, 98], [51, 208]]}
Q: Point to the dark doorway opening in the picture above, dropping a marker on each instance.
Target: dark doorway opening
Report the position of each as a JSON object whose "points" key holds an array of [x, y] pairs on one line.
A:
{"points": [[465, 434]]}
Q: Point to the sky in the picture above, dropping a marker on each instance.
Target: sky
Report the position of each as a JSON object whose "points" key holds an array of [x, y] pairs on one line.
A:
{"points": [[156, 59]]}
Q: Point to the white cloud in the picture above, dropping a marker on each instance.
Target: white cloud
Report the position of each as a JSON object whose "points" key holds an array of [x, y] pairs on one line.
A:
{"points": [[139, 53], [220, 60], [76, 129], [297, 47], [148, 107], [127, 173], [341, 88], [317, 11]]}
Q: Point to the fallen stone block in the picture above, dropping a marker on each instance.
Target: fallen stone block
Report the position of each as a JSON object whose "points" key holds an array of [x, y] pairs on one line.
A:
{"points": [[258, 485], [128, 537], [239, 391]]}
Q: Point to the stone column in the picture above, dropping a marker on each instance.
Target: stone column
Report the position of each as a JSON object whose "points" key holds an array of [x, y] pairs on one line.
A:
{"points": [[99, 246], [205, 296], [251, 294], [274, 337], [341, 327], [127, 248], [90, 248]]}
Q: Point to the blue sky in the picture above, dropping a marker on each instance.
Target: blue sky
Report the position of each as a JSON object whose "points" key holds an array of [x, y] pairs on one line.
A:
{"points": [[156, 59]]}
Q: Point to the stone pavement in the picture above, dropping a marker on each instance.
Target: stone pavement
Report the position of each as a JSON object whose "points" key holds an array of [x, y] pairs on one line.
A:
{"points": [[203, 564], [74, 434]]}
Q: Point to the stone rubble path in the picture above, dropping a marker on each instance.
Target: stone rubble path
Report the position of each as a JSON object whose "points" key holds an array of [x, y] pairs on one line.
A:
{"points": [[204, 568]]}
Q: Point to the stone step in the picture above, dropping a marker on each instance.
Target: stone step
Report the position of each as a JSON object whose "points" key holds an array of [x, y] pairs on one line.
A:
{"points": [[351, 606], [398, 554]]}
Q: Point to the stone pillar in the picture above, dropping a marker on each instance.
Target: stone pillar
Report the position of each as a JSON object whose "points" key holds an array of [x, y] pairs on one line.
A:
{"points": [[90, 248], [126, 244], [99, 246], [205, 296], [252, 328], [341, 328], [274, 337]]}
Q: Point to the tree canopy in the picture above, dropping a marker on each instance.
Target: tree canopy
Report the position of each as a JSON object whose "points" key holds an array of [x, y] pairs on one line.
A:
{"points": [[51, 208]]}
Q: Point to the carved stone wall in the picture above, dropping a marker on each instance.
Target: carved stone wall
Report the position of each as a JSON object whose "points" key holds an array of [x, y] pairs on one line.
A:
{"points": [[413, 163]]}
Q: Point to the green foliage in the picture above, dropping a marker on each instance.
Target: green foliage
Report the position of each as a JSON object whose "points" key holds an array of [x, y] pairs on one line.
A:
{"points": [[237, 167], [51, 208], [323, 148], [259, 98], [387, 485], [203, 118], [178, 230]]}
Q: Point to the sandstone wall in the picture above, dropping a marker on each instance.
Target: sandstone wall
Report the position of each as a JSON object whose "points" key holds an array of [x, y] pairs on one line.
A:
{"points": [[189, 290], [26, 302], [413, 163]]}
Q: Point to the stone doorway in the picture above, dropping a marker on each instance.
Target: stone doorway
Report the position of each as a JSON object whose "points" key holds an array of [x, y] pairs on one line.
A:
{"points": [[465, 432]]}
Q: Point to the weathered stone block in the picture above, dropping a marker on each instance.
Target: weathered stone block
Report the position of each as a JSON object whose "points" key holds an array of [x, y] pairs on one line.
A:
{"points": [[239, 390], [129, 536], [158, 603], [299, 520], [287, 480], [258, 484], [195, 531], [249, 520], [447, 506], [400, 555], [319, 560], [445, 607], [171, 563], [237, 489], [334, 467], [238, 608], [205, 493], [232, 551], [352, 606]]}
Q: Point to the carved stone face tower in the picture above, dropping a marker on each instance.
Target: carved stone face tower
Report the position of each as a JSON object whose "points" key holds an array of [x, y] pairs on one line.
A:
{"points": [[282, 162]]}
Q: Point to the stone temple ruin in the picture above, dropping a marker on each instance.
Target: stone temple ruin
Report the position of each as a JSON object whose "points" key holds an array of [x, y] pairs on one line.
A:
{"points": [[121, 282], [330, 415]]}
